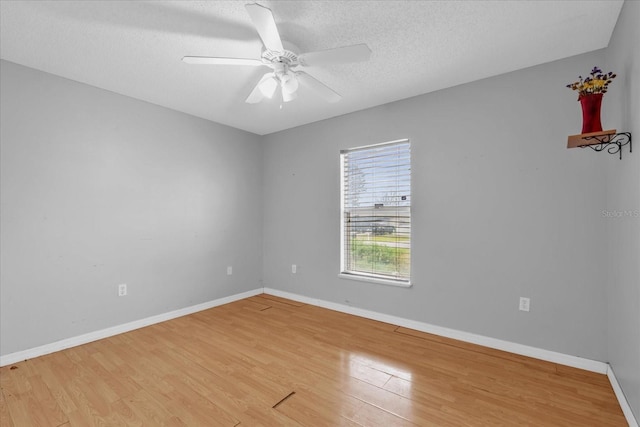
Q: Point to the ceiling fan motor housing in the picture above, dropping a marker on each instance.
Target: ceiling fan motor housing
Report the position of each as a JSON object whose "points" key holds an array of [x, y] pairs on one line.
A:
{"points": [[286, 57]]}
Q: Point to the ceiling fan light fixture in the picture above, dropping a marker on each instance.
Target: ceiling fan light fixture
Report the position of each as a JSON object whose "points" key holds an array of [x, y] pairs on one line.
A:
{"points": [[268, 87], [288, 96], [289, 83]]}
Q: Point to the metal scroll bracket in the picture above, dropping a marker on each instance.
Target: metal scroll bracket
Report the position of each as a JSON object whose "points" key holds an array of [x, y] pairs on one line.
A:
{"points": [[608, 140]]}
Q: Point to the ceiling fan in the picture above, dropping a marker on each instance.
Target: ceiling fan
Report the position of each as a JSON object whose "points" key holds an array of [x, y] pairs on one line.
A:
{"points": [[284, 63]]}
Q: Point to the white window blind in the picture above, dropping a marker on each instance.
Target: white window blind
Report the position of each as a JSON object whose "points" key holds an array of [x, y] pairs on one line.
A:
{"points": [[376, 211]]}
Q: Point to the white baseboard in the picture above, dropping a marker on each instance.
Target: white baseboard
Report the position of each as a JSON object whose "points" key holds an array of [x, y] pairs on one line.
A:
{"points": [[31, 353], [521, 349], [624, 404]]}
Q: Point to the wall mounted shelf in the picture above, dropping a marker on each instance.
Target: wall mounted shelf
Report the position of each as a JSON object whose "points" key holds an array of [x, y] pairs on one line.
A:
{"points": [[609, 140]]}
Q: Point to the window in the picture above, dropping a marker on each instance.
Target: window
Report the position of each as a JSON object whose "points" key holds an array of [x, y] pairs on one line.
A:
{"points": [[376, 212]]}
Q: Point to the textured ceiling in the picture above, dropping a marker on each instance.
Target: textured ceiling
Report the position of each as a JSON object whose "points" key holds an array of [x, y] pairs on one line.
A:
{"points": [[135, 48]]}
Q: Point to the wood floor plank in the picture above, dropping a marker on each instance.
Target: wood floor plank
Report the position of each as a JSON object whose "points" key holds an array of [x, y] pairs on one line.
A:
{"points": [[5, 416], [228, 366], [273, 298], [28, 399], [309, 408], [45, 367], [195, 409], [152, 411]]}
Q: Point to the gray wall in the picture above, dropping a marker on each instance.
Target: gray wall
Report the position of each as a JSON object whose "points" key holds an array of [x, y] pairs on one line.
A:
{"points": [[501, 210], [99, 189], [623, 195]]}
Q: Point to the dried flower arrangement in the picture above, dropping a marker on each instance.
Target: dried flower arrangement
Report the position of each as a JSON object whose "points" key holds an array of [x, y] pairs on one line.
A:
{"points": [[597, 82]]}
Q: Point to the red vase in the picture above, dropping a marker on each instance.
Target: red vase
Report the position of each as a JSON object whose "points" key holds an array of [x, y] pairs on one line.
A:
{"points": [[591, 112]]}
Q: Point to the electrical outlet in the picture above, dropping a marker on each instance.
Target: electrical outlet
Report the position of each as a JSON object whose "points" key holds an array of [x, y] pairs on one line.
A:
{"points": [[229, 271], [524, 304], [122, 289], [294, 268]]}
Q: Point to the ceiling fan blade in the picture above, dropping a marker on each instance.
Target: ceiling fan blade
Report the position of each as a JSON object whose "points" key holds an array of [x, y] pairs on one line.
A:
{"points": [[207, 60], [319, 87], [256, 94], [339, 55], [265, 24]]}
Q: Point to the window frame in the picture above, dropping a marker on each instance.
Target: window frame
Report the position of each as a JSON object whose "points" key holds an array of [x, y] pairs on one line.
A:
{"points": [[363, 276]]}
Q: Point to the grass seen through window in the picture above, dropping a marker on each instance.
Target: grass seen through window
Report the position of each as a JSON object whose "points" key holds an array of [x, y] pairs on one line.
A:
{"points": [[380, 254]]}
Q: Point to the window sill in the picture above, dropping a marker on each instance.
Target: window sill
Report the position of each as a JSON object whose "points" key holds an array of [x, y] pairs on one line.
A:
{"points": [[375, 280]]}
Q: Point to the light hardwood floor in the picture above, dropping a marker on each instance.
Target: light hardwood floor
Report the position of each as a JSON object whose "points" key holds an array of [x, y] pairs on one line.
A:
{"points": [[275, 362]]}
